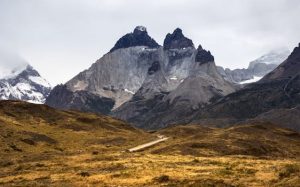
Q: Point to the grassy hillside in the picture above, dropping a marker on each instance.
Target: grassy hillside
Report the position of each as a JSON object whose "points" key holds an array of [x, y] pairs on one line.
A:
{"points": [[259, 139], [41, 146]]}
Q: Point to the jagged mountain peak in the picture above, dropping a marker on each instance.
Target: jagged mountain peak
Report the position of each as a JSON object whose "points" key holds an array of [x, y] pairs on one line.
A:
{"points": [[139, 37], [177, 40], [203, 56]]}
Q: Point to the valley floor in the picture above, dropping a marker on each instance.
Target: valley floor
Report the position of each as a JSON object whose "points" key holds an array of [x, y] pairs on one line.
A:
{"points": [[145, 169], [41, 146]]}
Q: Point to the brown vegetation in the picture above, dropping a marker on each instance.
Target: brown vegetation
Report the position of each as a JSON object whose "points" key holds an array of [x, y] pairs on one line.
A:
{"points": [[41, 146]]}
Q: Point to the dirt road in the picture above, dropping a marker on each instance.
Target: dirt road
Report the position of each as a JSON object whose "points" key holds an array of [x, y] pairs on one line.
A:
{"points": [[149, 144]]}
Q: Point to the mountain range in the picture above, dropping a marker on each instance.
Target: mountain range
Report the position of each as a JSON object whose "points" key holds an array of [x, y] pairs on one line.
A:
{"points": [[138, 79], [154, 86]]}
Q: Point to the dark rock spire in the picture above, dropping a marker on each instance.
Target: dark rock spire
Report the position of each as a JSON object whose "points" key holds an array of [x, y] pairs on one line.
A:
{"points": [[177, 40], [203, 56], [139, 37]]}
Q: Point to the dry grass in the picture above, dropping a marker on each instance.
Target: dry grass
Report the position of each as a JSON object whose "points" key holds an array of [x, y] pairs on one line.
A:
{"points": [[40, 146], [138, 169]]}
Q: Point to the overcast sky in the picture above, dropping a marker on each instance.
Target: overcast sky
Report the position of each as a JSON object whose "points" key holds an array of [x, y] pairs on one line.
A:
{"points": [[60, 38]]}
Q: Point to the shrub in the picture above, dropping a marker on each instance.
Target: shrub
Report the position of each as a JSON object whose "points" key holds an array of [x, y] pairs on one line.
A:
{"points": [[288, 170], [84, 174], [162, 178]]}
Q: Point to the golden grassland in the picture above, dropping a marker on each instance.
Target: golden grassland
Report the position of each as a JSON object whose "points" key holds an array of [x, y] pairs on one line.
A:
{"points": [[138, 169], [40, 146]]}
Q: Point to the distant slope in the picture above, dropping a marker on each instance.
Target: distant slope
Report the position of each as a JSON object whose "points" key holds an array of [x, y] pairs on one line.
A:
{"points": [[280, 89], [259, 139], [27, 128], [32, 129]]}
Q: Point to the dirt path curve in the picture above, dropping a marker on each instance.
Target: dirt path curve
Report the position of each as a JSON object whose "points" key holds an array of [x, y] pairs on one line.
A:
{"points": [[149, 144]]}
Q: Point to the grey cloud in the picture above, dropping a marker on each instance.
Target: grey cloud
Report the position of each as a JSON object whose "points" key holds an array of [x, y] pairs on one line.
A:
{"points": [[62, 37]]}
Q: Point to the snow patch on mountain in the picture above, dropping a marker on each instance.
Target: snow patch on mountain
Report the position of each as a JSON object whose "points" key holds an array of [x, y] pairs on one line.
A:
{"points": [[41, 81], [254, 79], [141, 28], [173, 78], [128, 91]]}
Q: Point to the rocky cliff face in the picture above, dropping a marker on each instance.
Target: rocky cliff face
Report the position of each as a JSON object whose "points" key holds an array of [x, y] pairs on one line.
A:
{"points": [[24, 83], [273, 95], [257, 68], [138, 79], [79, 100], [184, 80]]}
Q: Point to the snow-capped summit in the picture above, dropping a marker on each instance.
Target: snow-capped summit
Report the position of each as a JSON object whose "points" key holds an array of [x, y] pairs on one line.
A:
{"points": [[257, 68], [273, 57], [20, 81], [141, 28]]}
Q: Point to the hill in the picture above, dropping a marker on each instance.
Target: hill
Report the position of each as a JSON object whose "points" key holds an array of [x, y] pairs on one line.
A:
{"points": [[42, 146], [256, 139]]}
